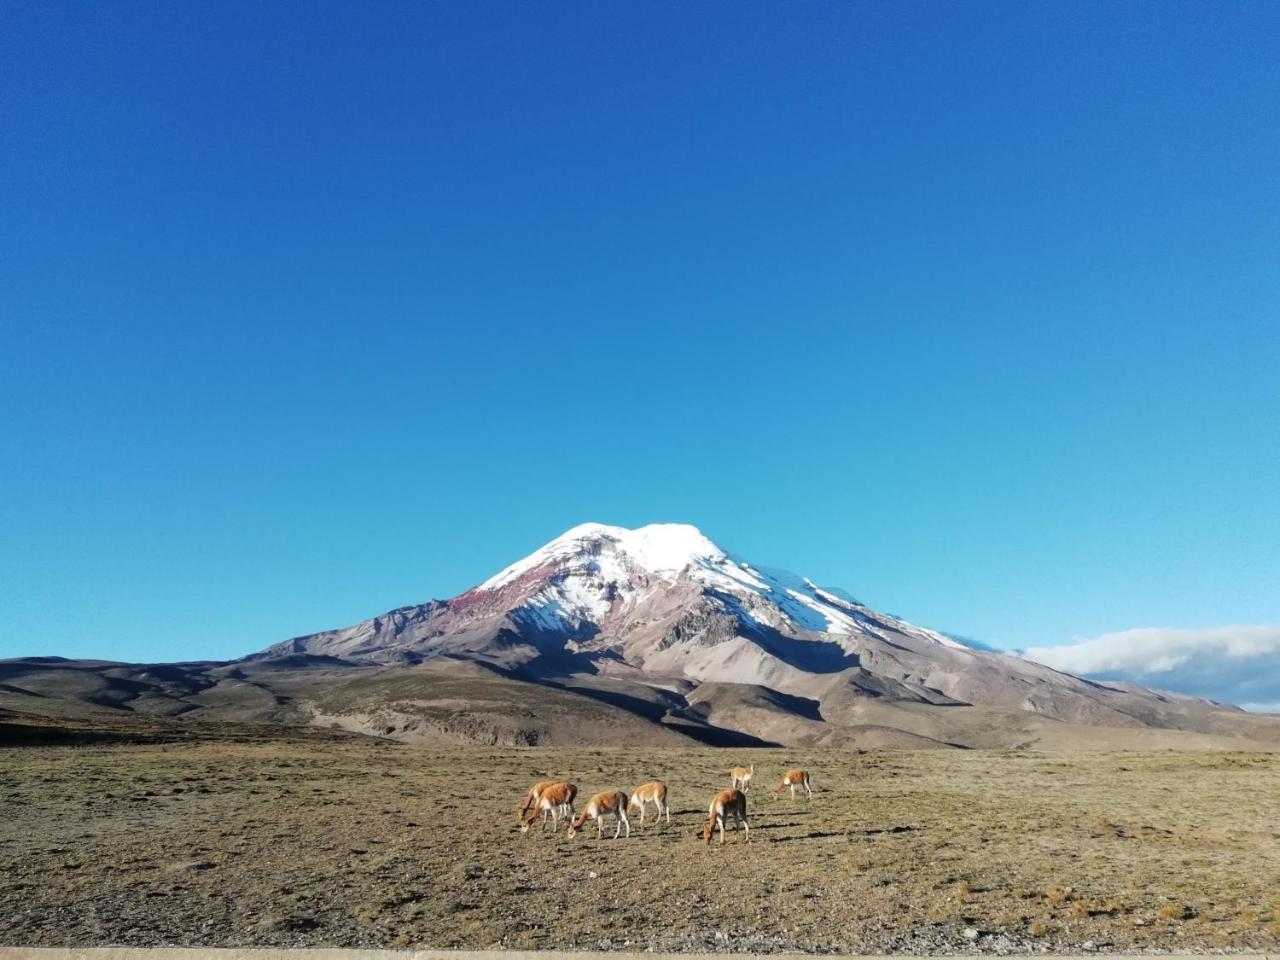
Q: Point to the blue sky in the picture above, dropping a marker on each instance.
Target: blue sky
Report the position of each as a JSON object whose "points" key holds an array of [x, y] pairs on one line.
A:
{"points": [[309, 311]]}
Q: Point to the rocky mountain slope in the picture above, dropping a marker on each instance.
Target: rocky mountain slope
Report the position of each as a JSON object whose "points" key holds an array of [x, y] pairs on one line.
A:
{"points": [[655, 635]]}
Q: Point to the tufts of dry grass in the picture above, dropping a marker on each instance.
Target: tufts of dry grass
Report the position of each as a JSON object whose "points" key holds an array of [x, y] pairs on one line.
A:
{"points": [[1174, 911]]}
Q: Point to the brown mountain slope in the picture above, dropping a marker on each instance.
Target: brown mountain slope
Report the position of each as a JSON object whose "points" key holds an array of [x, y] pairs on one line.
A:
{"points": [[456, 701]]}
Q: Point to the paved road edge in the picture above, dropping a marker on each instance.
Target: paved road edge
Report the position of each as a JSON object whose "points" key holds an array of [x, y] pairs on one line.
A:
{"points": [[278, 953]]}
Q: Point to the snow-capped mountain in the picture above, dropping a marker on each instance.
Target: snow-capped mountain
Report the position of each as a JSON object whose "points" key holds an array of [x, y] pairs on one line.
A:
{"points": [[651, 597], [602, 571], [664, 608], [649, 637]]}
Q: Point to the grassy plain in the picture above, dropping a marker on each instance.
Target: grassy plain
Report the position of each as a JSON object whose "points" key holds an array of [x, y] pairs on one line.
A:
{"points": [[310, 841]]}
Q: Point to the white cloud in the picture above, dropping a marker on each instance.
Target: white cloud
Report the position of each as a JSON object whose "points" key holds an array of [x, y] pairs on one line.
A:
{"points": [[1233, 664], [1159, 649]]}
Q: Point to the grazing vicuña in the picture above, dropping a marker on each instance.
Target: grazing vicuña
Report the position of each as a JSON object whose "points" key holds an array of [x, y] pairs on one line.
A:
{"points": [[654, 792], [601, 805], [793, 779], [555, 799], [727, 805], [532, 797]]}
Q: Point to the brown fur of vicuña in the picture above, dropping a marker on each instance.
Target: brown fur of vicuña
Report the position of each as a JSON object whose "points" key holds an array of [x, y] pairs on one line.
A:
{"points": [[654, 792], [794, 778], [610, 801], [532, 797], [553, 799], [725, 804]]}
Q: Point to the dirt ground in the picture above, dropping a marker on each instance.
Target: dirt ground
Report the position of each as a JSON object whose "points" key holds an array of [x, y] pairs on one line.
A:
{"points": [[363, 843]]}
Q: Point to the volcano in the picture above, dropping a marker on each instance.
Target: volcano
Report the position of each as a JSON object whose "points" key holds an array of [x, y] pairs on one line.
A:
{"points": [[652, 636]]}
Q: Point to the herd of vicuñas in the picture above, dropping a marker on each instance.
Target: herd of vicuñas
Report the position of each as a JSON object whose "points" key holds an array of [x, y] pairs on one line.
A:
{"points": [[552, 801]]}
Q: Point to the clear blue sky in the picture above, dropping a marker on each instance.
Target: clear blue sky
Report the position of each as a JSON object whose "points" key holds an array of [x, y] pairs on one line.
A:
{"points": [[309, 311]]}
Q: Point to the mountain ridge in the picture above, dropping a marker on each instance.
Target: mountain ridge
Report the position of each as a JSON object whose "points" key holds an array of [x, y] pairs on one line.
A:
{"points": [[658, 632]]}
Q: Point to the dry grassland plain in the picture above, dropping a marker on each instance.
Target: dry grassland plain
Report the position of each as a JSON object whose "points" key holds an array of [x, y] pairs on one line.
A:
{"points": [[311, 842]]}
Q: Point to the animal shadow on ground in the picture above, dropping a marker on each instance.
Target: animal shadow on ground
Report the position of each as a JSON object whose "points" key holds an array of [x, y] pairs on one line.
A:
{"points": [[816, 835]]}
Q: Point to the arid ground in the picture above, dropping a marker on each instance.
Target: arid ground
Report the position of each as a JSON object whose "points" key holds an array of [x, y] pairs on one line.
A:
{"points": [[257, 840]]}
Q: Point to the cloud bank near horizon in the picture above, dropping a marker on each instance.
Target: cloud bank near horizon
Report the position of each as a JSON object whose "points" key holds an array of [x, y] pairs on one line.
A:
{"points": [[1230, 664]]}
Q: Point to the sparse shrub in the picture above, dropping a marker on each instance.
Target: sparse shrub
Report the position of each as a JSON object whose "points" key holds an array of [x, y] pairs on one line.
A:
{"points": [[963, 889], [1038, 928], [1173, 911]]}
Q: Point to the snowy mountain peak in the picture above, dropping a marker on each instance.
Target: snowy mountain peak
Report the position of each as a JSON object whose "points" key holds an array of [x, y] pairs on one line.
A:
{"points": [[601, 580], [659, 549], [667, 547]]}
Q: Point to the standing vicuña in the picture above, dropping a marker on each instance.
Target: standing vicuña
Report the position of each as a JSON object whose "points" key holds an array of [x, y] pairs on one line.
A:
{"points": [[555, 799], [655, 793], [793, 779], [601, 805], [742, 777], [727, 805]]}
